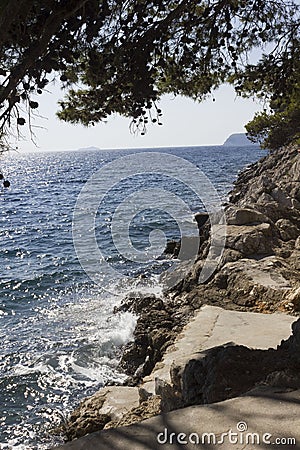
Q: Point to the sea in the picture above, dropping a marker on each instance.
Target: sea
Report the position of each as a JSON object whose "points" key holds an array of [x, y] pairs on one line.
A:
{"points": [[60, 339]]}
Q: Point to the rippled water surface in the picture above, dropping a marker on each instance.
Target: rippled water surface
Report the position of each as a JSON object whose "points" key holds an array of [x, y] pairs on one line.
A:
{"points": [[60, 340]]}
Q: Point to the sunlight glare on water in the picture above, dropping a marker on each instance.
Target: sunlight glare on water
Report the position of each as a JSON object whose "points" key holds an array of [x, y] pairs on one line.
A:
{"points": [[60, 340]]}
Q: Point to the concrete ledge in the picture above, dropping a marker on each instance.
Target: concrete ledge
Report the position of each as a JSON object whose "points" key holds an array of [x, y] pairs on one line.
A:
{"points": [[213, 326]]}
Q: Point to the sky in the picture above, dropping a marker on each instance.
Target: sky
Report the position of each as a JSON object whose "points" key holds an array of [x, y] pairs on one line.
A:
{"points": [[185, 123]]}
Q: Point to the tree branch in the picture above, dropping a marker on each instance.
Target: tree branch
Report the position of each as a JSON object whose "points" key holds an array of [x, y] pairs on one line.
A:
{"points": [[38, 47]]}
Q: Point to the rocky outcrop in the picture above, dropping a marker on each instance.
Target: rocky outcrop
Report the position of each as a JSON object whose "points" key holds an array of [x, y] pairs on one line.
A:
{"points": [[261, 260], [259, 272], [158, 323], [271, 186]]}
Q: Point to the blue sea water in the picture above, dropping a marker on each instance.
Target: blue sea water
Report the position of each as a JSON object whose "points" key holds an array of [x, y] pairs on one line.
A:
{"points": [[60, 340]]}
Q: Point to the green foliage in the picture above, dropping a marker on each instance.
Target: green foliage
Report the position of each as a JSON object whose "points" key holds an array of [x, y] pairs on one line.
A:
{"points": [[277, 80], [121, 57], [279, 128], [186, 48]]}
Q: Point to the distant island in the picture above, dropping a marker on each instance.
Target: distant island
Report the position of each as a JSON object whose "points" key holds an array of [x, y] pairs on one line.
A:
{"points": [[237, 140], [88, 149]]}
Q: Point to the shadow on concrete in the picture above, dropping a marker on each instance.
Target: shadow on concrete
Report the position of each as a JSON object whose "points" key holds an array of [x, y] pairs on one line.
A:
{"points": [[264, 410]]}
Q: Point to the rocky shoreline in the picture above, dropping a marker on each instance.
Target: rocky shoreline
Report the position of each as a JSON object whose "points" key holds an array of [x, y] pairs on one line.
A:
{"points": [[259, 272]]}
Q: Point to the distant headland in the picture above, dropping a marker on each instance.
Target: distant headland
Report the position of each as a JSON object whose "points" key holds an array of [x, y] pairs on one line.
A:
{"points": [[237, 140]]}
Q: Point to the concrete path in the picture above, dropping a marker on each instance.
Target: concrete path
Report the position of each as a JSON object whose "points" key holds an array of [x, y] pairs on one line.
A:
{"points": [[264, 419]]}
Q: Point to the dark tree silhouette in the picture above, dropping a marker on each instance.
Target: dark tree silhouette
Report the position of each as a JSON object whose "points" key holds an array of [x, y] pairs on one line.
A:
{"points": [[120, 57]]}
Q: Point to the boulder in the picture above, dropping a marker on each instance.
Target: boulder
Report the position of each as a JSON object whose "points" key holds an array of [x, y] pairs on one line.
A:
{"points": [[108, 404], [260, 284], [249, 239], [282, 198], [287, 230], [244, 216], [293, 299], [201, 219], [230, 255]]}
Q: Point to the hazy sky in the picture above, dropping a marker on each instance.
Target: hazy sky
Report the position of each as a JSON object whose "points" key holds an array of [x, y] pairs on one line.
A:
{"points": [[186, 123]]}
